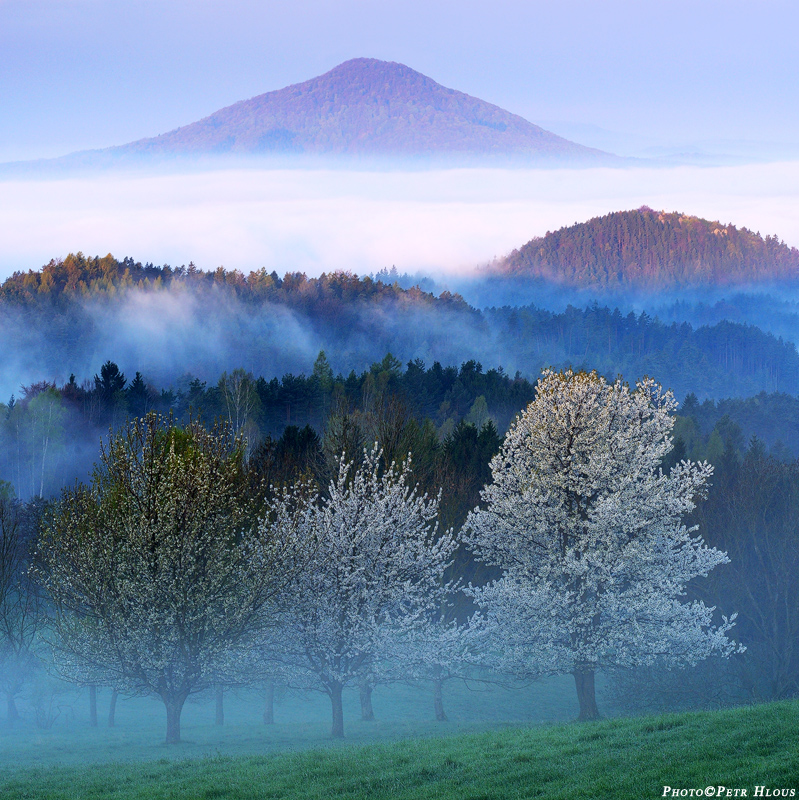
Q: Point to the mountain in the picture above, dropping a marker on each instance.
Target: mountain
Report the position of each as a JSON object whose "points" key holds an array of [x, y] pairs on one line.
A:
{"points": [[367, 108], [652, 250]]}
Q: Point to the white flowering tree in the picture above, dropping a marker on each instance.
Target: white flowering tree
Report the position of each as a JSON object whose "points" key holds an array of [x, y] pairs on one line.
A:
{"points": [[589, 534], [376, 573], [435, 652], [159, 571]]}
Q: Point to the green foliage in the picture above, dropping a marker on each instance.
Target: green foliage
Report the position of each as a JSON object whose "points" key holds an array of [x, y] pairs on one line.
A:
{"points": [[33, 433], [49, 437], [773, 418], [157, 571]]}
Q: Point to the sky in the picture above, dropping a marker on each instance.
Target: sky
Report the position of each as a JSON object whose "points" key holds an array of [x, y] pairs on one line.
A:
{"points": [[700, 77], [77, 74]]}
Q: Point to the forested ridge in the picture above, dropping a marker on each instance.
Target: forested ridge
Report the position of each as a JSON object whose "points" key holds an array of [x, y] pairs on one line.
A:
{"points": [[709, 360], [74, 314], [78, 277], [653, 250]]}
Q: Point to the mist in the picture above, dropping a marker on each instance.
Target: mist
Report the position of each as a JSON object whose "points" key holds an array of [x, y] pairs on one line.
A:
{"points": [[180, 332], [177, 330], [444, 222]]}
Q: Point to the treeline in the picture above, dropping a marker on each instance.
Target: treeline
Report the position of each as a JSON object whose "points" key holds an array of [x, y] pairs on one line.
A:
{"points": [[163, 321], [653, 250], [771, 418], [710, 361], [49, 435], [77, 277], [49, 432]]}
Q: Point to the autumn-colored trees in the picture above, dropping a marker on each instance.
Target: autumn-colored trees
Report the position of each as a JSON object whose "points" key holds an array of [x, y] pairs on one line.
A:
{"points": [[653, 250]]}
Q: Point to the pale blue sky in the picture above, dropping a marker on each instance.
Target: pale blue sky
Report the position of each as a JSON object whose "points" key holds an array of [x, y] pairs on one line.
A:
{"points": [[78, 74]]}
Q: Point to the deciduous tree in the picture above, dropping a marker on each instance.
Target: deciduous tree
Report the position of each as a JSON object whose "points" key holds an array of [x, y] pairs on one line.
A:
{"points": [[588, 532], [159, 571], [376, 573]]}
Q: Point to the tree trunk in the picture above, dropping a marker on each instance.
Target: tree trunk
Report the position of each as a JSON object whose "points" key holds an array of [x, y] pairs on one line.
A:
{"points": [[367, 712], [93, 705], [338, 710], [174, 706], [586, 695], [12, 715], [438, 700], [220, 705], [269, 705], [112, 708]]}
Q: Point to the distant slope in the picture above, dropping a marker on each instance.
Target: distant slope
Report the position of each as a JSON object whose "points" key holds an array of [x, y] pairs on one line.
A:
{"points": [[366, 107], [72, 315], [648, 249]]}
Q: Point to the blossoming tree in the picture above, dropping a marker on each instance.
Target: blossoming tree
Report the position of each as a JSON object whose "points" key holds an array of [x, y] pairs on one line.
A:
{"points": [[159, 571], [376, 573], [589, 534]]}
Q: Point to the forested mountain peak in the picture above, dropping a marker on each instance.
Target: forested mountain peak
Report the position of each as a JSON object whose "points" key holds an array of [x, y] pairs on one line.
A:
{"points": [[648, 249], [365, 107]]}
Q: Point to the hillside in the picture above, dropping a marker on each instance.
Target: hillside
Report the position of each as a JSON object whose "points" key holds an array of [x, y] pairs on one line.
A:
{"points": [[365, 107], [72, 315], [617, 758], [646, 249], [76, 279]]}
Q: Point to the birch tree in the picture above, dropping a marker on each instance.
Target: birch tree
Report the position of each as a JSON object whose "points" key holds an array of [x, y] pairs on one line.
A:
{"points": [[35, 429], [376, 573], [159, 571], [589, 534], [241, 400]]}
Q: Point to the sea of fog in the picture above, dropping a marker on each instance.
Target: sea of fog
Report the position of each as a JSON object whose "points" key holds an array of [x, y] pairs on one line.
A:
{"points": [[314, 220]]}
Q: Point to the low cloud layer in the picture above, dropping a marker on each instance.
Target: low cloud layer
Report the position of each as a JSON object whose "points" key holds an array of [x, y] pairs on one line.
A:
{"points": [[441, 221]]}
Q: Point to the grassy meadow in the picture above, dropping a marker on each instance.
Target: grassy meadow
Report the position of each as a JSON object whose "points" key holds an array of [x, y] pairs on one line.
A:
{"points": [[499, 743], [301, 722]]}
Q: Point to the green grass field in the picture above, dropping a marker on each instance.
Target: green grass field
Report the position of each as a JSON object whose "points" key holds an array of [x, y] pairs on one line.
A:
{"points": [[625, 758], [301, 722]]}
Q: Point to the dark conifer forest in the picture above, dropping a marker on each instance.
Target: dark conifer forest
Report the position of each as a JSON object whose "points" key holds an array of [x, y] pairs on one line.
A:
{"points": [[73, 315]]}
